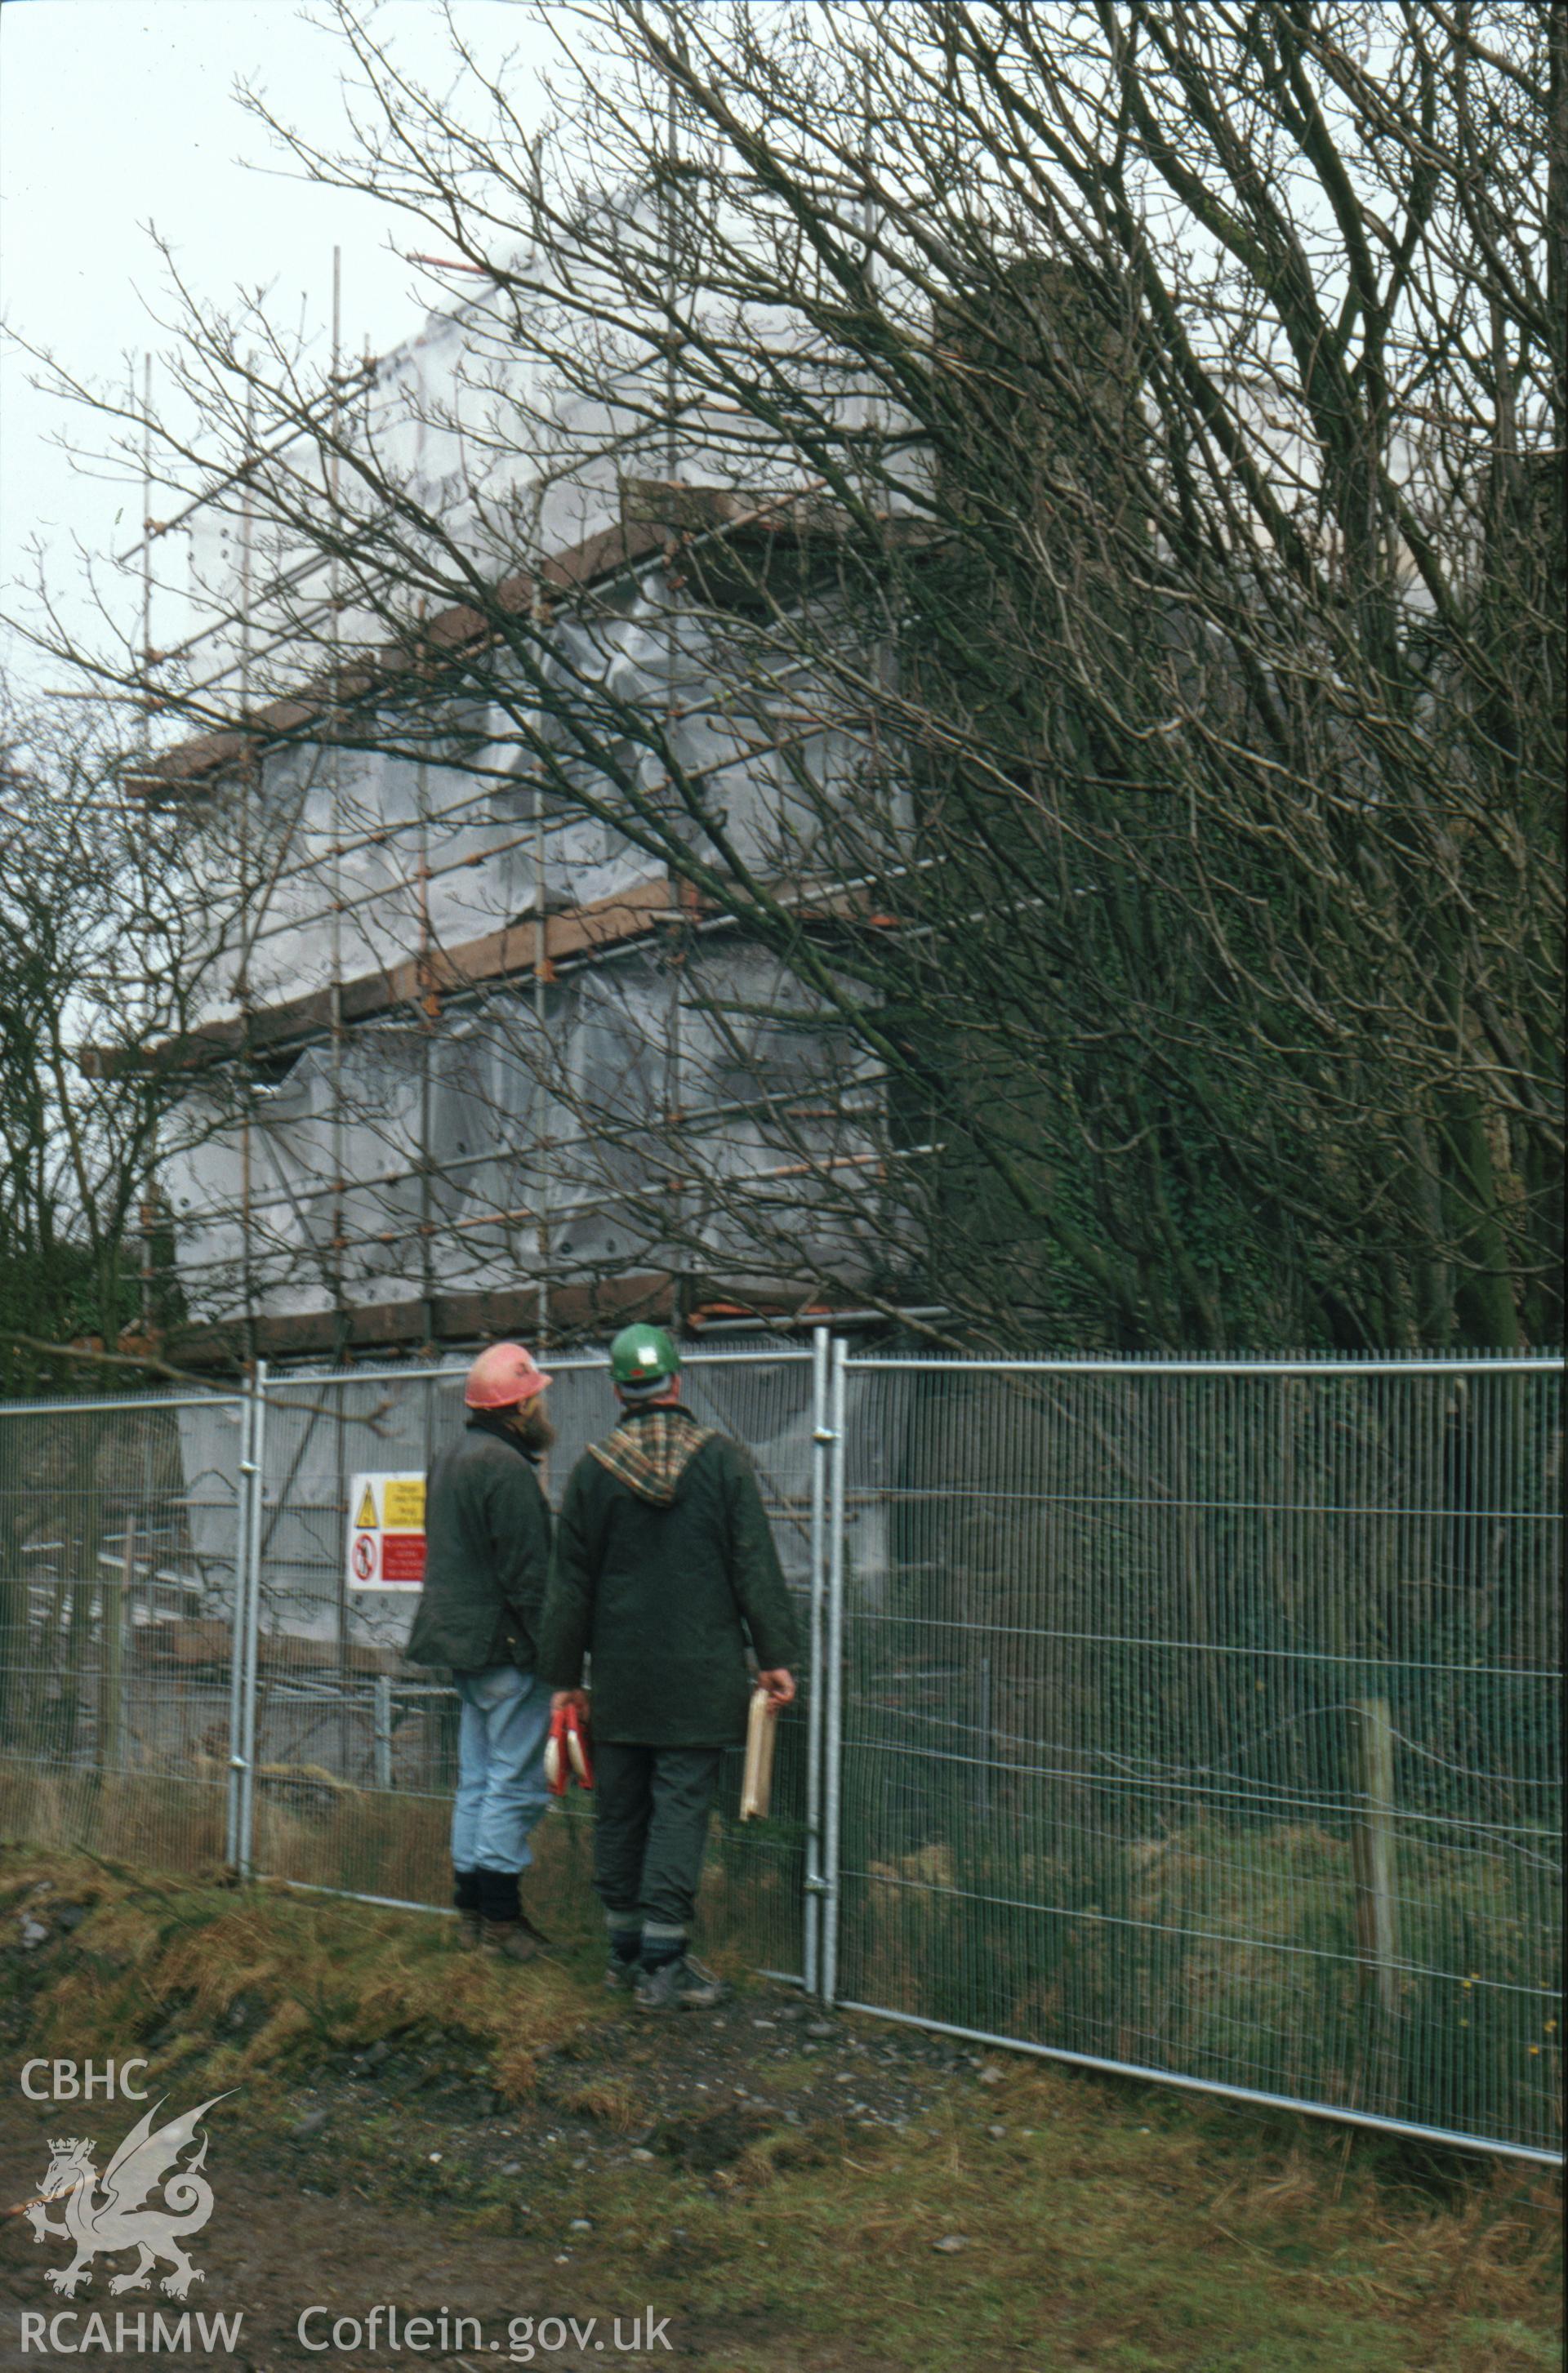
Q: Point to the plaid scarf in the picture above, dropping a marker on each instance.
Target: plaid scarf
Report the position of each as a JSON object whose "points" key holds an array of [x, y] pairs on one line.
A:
{"points": [[650, 1450]]}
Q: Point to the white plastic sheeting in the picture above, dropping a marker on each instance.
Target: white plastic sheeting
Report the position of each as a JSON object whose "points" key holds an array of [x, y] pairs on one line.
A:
{"points": [[328, 866], [487, 1142], [480, 1146], [656, 1111], [512, 419]]}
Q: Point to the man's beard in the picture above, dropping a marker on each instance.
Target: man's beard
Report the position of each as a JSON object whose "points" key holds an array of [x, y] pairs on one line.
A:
{"points": [[533, 1429]]}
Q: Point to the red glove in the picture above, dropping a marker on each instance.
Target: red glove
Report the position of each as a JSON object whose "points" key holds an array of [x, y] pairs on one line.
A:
{"points": [[566, 1751]]}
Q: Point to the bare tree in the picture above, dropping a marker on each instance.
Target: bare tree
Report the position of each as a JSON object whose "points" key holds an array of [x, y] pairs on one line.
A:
{"points": [[1046, 527], [99, 965], [99, 955]]}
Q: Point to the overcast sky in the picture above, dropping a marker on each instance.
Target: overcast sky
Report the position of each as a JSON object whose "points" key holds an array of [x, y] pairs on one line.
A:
{"points": [[115, 113]]}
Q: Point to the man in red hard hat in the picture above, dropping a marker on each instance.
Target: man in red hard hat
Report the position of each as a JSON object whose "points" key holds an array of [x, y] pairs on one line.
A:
{"points": [[487, 1554]]}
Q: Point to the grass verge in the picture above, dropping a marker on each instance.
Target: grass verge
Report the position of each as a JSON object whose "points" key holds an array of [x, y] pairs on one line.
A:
{"points": [[1092, 2222]]}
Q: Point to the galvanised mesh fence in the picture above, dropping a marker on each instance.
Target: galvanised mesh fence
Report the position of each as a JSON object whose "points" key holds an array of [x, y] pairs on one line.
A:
{"points": [[1200, 1719], [1191, 1718], [355, 1753]]}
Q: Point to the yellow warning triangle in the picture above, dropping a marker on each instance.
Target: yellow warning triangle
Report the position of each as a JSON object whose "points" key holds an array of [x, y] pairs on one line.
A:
{"points": [[365, 1520]]}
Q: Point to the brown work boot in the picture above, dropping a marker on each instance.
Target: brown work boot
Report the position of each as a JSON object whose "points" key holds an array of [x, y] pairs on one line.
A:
{"points": [[509, 1940], [469, 1931], [514, 1940]]}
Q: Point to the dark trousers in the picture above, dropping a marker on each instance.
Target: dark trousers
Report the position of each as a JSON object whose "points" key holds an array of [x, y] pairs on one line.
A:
{"points": [[651, 1806]]}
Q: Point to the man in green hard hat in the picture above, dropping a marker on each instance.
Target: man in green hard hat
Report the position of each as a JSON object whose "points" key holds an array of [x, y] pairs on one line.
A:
{"points": [[664, 1567]]}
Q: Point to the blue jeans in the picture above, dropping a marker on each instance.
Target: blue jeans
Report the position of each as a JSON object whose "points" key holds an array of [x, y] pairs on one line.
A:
{"points": [[500, 1762]]}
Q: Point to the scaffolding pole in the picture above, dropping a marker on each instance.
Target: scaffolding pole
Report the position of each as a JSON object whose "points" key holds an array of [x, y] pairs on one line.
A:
{"points": [[250, 847]]}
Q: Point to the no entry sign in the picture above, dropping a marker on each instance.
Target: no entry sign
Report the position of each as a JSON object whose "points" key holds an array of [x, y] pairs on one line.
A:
{"points": [[386, 1532]]}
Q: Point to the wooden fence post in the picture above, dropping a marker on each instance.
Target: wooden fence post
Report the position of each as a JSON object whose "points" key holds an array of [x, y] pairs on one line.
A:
{"points": [[1373, 1854]]}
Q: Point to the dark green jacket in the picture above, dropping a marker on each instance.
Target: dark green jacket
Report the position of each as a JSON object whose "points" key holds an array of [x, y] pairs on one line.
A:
{"points": [[487, 1554], [664, 1590]]}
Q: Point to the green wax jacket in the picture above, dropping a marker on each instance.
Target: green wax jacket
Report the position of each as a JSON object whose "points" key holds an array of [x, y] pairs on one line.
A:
{"points": [[487, 1554], [663, 1564]]}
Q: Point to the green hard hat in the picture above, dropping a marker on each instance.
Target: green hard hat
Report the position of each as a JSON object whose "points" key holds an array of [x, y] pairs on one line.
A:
{"points": [[643, 1355]]}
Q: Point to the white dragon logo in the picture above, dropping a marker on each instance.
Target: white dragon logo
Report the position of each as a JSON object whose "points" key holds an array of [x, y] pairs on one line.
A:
{"points": [[121, 2219]]}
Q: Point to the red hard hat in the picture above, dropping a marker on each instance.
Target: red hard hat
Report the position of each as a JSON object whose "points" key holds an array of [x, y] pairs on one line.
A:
{"points": [[503, 1376]]}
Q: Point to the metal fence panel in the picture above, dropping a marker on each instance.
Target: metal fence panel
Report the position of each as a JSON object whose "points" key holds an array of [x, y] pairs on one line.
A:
{"points": [[1197, 1719], [1202, 1719], [356, 1754], [120, 1524]]}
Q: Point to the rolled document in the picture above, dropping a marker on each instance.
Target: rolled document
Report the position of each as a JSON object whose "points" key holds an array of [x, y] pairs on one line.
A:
{"points": [[756, 1784]]}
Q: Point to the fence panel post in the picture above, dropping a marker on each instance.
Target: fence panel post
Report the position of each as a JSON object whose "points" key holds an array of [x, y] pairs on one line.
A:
{"points": [[833, 1759], [244, 1471], [1377, 1919], [822, 1437], [245, 1857]]}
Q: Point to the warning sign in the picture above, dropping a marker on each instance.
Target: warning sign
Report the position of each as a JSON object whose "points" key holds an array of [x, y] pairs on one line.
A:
{"points": [[386, 1532], [402, 1559], [403, 1503]]}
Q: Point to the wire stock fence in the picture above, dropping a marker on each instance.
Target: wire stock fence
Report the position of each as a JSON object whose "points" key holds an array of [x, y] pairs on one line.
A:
{"points": [[1196, 1719]]}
